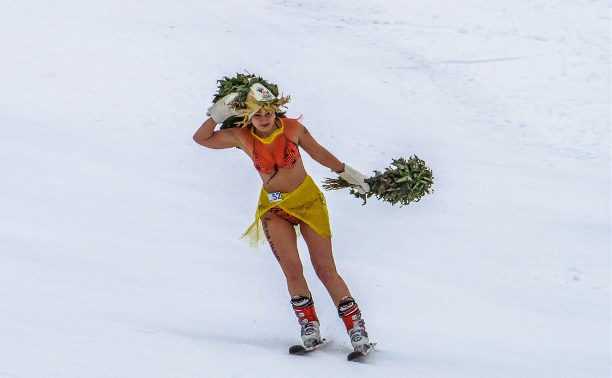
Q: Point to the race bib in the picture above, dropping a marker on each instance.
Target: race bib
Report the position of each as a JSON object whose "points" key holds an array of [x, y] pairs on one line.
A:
{"points": [[275, 197]]}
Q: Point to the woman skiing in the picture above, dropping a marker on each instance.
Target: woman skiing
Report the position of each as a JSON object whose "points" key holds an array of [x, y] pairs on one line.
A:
{"points": [[253, 121]]}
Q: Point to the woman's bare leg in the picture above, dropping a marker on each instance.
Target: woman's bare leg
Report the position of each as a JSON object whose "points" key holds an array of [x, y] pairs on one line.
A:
{"points": [[320, 249], [323, 261], [283, 242]]}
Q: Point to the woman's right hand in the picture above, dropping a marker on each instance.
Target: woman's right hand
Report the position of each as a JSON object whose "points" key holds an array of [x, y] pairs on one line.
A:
{"points": [[222, 109]]}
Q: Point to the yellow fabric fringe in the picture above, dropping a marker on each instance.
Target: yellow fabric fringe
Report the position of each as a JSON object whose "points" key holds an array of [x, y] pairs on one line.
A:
{"points": [[307, 203]]}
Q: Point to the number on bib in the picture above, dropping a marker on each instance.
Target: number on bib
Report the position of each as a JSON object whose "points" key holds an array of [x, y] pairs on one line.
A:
{"points": [[275, 197]]}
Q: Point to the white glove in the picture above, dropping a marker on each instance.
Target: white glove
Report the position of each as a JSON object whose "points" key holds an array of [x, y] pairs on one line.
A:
{"points": [[356, 178], [222, 109]]}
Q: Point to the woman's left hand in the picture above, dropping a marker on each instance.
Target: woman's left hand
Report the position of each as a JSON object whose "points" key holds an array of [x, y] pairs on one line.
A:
{"points": [[356, 178]]}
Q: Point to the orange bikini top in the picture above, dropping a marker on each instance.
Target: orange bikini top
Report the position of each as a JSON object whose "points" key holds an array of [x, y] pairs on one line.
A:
{"points": [[284, 153]]}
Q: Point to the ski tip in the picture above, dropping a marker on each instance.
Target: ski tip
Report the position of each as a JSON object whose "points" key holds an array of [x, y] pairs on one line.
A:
{"points": [[297, 349], [300, 349], [356, 355]]}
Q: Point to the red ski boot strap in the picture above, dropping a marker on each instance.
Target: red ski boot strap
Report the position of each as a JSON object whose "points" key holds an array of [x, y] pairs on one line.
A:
{"points": [[304, 310], [350, 314]]}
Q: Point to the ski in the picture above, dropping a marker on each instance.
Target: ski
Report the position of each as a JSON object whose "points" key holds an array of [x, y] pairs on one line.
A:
{"points": [[300, 349], [356, 355]]}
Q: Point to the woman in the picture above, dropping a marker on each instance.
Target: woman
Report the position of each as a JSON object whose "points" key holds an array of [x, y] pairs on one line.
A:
{"points": [[289, 198]]}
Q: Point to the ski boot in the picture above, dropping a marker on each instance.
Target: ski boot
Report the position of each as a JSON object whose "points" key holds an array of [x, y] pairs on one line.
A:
{"points": [[307, 317], [350, 314]]}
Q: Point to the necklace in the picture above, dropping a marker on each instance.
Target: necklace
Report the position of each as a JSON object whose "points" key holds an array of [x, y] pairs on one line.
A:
{"points": [[272, 136]]}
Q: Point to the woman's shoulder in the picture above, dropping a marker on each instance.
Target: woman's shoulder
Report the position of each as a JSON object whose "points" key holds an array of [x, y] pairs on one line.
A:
{"points": [[292, 126], [291, 122]]}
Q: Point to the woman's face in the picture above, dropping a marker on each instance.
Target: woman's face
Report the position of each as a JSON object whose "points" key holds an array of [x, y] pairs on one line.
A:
{"points": [[263, 120]]}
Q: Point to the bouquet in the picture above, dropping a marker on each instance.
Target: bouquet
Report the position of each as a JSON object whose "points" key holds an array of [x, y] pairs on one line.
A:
{"points": [[404, 182]]}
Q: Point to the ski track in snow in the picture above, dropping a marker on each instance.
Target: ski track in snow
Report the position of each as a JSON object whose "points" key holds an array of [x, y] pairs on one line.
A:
{"points": [[119, 250]]}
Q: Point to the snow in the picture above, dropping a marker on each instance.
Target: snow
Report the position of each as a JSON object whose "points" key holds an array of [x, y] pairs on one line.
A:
{"points": [[119, 237]]}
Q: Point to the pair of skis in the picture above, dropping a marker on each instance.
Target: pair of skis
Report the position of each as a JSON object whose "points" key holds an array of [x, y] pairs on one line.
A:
{"points": [[353, 356]]}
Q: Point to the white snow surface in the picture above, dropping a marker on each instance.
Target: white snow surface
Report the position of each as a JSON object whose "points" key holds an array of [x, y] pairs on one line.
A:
{"points": [[119, 236]]}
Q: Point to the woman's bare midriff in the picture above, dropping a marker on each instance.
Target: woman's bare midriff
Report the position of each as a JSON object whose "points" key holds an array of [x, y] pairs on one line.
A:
{"points": [[286, 180]]}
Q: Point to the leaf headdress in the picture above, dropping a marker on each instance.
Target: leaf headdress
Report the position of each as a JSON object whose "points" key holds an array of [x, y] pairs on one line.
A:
{"points": [[254, 93]]}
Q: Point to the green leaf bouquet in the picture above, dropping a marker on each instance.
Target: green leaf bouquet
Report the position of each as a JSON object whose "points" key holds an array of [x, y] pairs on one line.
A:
{"points": [[404, 182]]}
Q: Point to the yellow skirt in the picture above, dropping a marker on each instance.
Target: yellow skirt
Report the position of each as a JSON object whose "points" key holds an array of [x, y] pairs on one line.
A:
{"points": [[306, 203]]}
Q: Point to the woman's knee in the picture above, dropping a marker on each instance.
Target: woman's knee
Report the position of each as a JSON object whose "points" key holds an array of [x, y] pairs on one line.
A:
{"points": [[327, 274], [290, 264], [294, 277], [293, 271]]}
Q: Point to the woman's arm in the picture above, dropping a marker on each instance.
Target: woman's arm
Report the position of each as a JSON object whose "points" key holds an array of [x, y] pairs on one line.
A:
{"points": [[319, 153], [208, 137], [327, 159]]}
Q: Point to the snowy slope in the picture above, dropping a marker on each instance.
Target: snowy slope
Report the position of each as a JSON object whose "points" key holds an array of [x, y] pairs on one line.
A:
{"points": [[119, 250]]}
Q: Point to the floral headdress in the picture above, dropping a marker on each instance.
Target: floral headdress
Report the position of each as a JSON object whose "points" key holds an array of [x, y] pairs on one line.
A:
{"points": [[254, 94]]}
